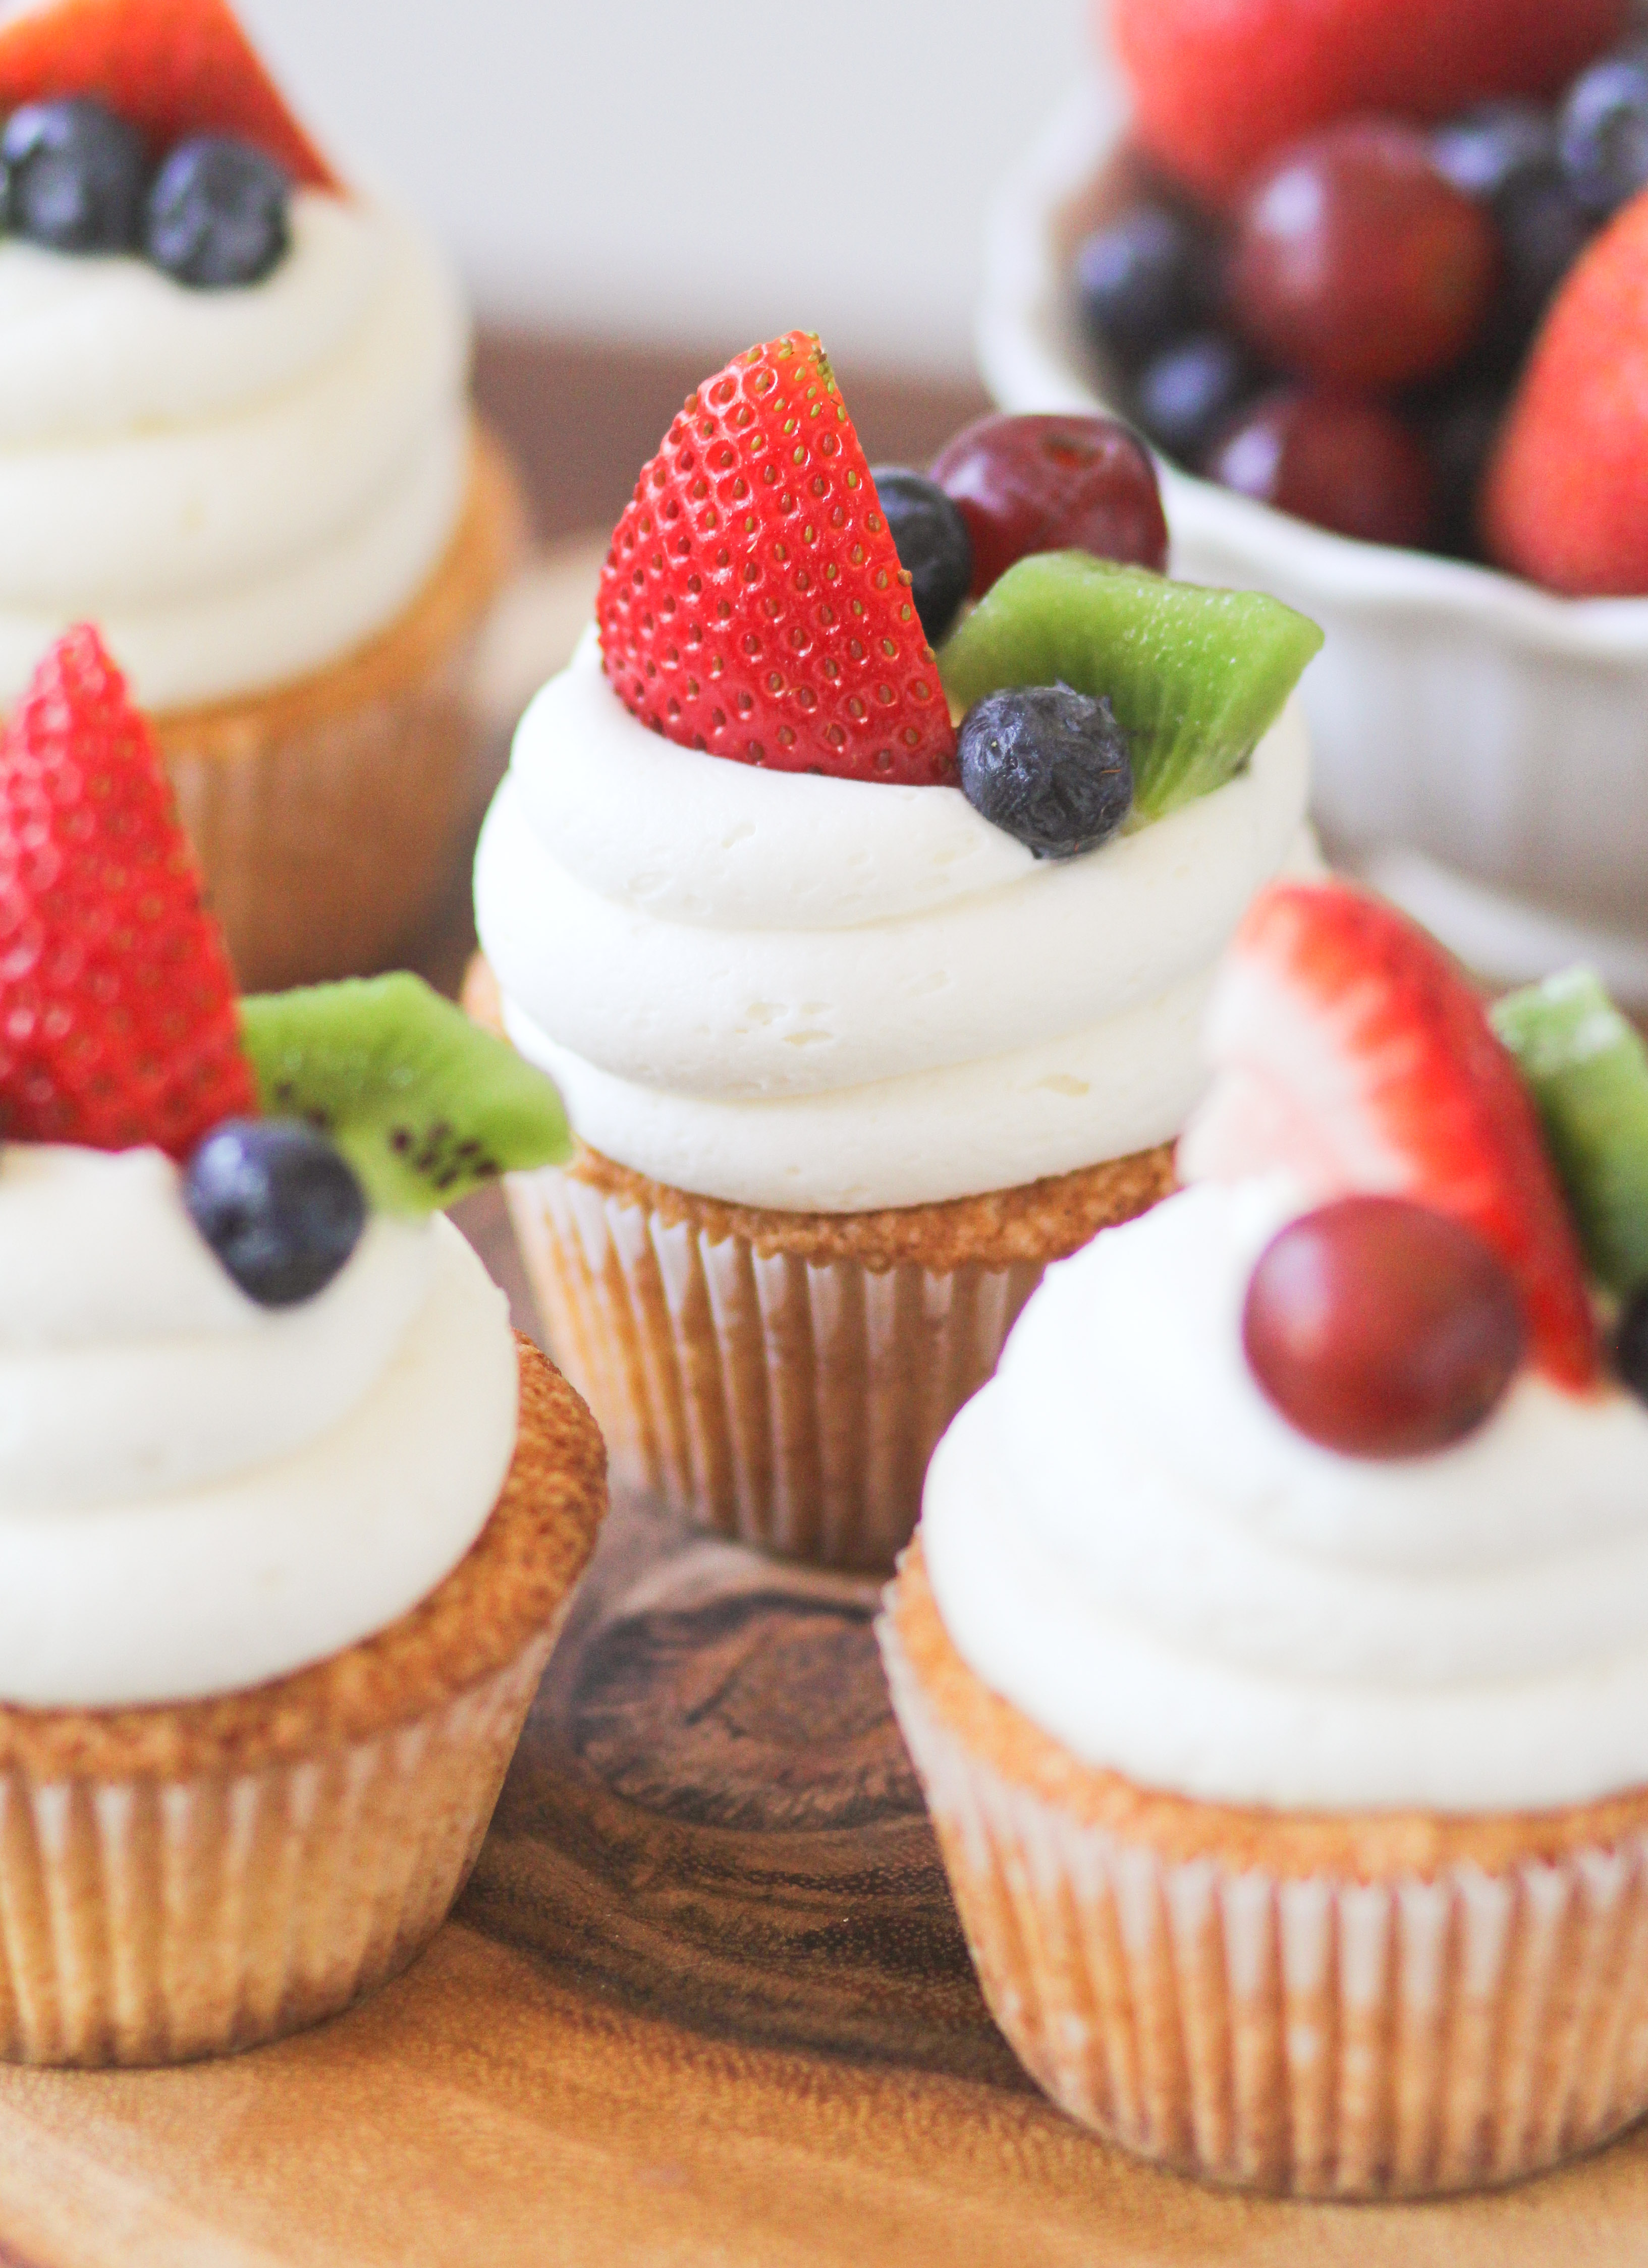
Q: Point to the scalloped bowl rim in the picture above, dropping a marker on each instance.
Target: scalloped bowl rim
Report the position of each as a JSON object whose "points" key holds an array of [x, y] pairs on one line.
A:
{"points": [[1024, 335]]}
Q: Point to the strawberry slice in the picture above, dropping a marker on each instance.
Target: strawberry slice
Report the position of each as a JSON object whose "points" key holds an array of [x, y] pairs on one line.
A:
{"points": [[1348, 1050], [752, 603], [171, 68], [118, 1022]]}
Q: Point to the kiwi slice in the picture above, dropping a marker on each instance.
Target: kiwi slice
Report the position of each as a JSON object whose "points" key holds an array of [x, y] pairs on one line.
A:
{"points": [[1587, 1069], [1195, 677], [423, 1103]]}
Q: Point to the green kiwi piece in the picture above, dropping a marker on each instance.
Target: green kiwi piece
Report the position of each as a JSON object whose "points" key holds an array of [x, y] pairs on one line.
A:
{"points": [[423, 1103], [1195, 677], [1587, 1071]]}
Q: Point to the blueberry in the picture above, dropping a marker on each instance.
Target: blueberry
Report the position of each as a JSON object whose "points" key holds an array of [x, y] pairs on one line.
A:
{"points": [[1144, 280], [217, 213], [74, 176], [1185, 396], [1494, 146], [1603, 133], [1543, 228], [1630, 1344], [933, 543], [278, 1203], [1458, 428], [1048, 766]]}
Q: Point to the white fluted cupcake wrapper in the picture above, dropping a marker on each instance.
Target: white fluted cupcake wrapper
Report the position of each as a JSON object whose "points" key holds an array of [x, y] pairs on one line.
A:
{"points": [[152, 1921], [791, 1403], [1311, 2035]]}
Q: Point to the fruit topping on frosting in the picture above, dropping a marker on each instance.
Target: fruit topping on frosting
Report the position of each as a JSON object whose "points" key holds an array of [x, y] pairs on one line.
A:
{"points": [[1194, 677], [424, 1105], [753, 604], [148, 127], [278, 1205], [930, 535], [119, 1025], [172, 69], [118, 1009], [1587, 1069], [1048, 766], [1305, 289], [1381, 1327], [1053, 483], [1349, 1052]]}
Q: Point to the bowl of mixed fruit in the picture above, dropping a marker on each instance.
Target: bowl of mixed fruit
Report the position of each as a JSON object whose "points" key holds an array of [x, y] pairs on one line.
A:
{"points": [[1372, 277]]}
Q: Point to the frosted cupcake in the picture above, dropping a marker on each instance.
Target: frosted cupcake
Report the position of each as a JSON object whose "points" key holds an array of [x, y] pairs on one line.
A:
{"points": [[288, 1517], [1274, 1650], [859, 1025], [234, 427]]}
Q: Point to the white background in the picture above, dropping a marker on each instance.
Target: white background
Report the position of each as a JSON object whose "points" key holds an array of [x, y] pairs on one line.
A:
{"points": [[653, 169]]}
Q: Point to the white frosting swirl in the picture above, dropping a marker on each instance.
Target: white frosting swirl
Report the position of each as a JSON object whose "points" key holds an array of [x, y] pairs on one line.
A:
{"points": [[239, 486], [1126, 1540], [791, 990], [197, 1493]]}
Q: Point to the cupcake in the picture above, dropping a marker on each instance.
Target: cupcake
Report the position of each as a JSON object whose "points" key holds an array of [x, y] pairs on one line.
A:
{"points": [[1273, 1650], [233, 429], [288, 1517], [858, 1022]]}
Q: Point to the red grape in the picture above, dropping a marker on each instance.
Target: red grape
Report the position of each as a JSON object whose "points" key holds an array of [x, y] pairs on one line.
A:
{"points": [[1381, 1329], [1053, 483], [1350, 465], [1358, 263]]}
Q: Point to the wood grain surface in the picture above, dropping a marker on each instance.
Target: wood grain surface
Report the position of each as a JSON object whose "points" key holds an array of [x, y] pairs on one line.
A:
{"points": [[705, 2000]]}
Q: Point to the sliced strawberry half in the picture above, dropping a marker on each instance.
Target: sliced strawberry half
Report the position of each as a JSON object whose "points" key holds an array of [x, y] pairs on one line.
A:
{"points": [[171, 68], [752, 604], [1348, 1050], [118, 1022]]}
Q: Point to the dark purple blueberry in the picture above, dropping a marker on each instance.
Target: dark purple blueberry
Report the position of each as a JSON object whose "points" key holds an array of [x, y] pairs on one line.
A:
{"points": [[217, 214], [1603, 133], [1458, 429], [1144, 280], [1630, 1344], [1049, 766], [1543, 228], [74, 176], [1191, 393], [1491, 147], [278, 1205], [932, 542]]}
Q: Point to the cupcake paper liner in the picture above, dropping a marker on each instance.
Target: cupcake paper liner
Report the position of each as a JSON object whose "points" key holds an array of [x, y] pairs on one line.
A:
{"points": [[792, 1404], [328, 814], [1309, 2035], [311, 1881]]}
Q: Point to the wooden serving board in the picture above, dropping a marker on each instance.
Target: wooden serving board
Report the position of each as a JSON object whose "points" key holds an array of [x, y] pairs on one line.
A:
{"points": [[705, 2000]]}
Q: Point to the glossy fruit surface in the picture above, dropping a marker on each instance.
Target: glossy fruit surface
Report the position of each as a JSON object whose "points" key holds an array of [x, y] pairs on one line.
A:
{"points": [[169, 68], [1345, 464], [1604, 134], [1195, 677], [278, 1203], [1053, 483], [117, 1003], [1347, 1050], [753, 604], [1493, 146], [1048, 766], [75, 176], [1631, 1345], [1185, 397], [932, 544], [1565, 502], [217, 214], [1356, 263], [1380, 1329], [1144, 279], [1219, 85]]}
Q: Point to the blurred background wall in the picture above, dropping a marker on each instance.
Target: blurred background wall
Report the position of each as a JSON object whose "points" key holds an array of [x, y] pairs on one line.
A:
{"points": [[637, 171]]}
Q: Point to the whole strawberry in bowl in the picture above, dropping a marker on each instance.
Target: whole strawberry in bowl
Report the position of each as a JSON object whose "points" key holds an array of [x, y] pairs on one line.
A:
{"points": [[1372, 278]]}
